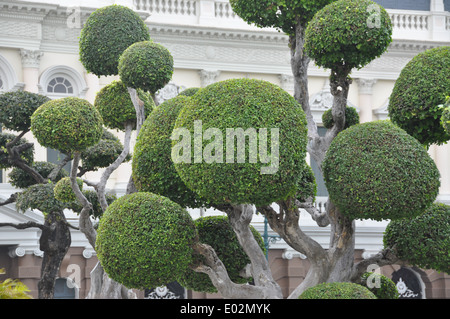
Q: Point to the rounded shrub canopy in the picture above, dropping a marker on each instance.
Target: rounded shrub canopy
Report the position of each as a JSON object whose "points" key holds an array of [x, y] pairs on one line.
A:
{"points": [[422, 86], [351, 118], [381, 286], [146, 65], [259, 171], [152, 167], [63, 190], [114, 104], [5, 162], [337, 290], [145, 240], [217, 232], [21, 179], [106, 34], [189, 91], [423, 241], [91, 196], [16, 108], [279, 14], [348, 34], [40, 197], [377, 171], [68, 124]]}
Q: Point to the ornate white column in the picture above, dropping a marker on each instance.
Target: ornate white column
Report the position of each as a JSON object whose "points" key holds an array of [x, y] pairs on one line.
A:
{"points": [[208, 77], [365, 99], [31, 60], [438, 21]]}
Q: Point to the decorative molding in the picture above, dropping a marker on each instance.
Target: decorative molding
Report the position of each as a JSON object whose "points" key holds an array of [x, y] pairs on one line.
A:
{"points": [[16, 252], [88, 252], [208, 77], [171, 90], [289, 254], [31, 58], [76, 79], [366, 85]]}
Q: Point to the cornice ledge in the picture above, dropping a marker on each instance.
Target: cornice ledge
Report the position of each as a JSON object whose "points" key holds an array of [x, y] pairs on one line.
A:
{"points": [[216, 33]]}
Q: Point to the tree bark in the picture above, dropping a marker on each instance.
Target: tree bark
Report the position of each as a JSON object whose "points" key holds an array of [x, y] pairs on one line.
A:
{"points": [[55, 241]]}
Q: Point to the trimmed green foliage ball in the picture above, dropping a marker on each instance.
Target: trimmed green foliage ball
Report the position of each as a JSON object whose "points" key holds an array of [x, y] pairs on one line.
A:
{"points": [[5, 162], [422, 86], [145, 240], [102, 154], [381, 286], [223, 173], [189, 91], [351, 118], [377, 171], [279, 14], [106, 34], [68, 124], [337, 290], [40, 197], [348, 34], [16, 108], [307, 187], [423, 241], [217, 232], [146, 65], [152, 167], [63, 190], [114, 104], [21, 179]]}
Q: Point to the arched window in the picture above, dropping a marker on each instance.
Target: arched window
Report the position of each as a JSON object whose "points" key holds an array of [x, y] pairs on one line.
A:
{"points": [[8, 78], [61, 81], [60, 85]]}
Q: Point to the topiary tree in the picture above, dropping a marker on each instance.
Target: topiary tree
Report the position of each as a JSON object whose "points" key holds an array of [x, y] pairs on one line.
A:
{"points": [[35, 181], [340, 36], [146, 65], [16, 107], [229, 175], [69, 124], [422, 86], [114, 104], [106, 34], [189, 91], [166, 229], [377, 171], [152, 167], [217, 232], [123, 29], [337, 290], [381, 286], [423, 241]]}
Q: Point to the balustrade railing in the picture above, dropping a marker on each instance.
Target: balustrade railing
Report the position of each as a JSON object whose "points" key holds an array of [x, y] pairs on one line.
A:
{"points": [[408, 24]]}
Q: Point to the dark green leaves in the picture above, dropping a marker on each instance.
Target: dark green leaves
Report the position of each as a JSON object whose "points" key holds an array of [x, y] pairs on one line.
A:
{"points": [[423, 241], [422, 86], [377, 171], [107, 33], [146, 65], [68, 124], [341, 36]]}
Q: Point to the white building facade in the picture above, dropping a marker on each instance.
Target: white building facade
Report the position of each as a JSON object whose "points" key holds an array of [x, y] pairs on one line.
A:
{"points": [[209, 43]]}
